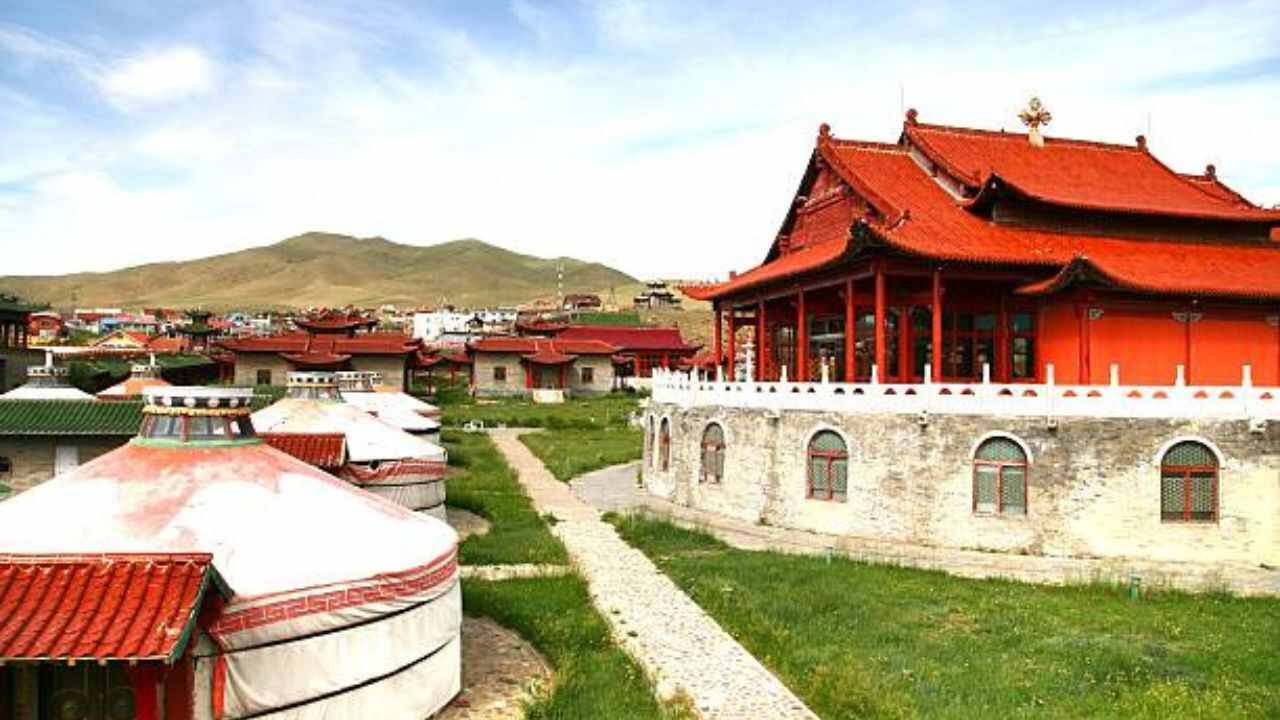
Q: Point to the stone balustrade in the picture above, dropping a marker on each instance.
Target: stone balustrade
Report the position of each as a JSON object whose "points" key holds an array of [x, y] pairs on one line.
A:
{"points": [[1049, 399]]}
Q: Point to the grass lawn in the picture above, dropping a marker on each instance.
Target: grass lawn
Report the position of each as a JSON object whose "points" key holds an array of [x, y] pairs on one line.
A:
{"points": [[482, 482], [597, 412], [594, 678], [873, 641], [570, 453]]}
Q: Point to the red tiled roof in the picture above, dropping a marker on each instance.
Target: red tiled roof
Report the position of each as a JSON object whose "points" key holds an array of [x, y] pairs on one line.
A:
{"points": [[925, 220], [548, 356], [164, 343], [323, 450], [628, 338], [1076, 173], [101, 607], [131, 387], [365, 344], [527, 345]]}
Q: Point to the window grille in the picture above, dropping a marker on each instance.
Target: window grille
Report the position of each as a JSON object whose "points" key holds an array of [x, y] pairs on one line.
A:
{"points": [[500, 373], [1189, 483], [664, 445], [828, 473], [1000, 478], [713, 453], [588, 375]]}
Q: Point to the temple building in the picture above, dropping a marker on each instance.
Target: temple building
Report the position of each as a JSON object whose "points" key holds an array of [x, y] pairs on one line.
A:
{"points": [[313, 424], [41, 439], [1000, 341], [326, 342], [509, 366], [197, 573], [641, 348], [956, 249]]}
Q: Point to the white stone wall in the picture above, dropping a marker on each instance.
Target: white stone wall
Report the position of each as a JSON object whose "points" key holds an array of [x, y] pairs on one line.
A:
{"points": [[1093, 483]]}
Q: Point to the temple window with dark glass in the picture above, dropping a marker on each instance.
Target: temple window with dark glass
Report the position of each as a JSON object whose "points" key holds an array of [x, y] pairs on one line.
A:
{"points": [[1022, 345], [826, 346]]}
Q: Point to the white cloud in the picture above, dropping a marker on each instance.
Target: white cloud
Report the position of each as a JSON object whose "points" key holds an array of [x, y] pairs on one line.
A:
{"points": [[157, 76], [671, 148]]}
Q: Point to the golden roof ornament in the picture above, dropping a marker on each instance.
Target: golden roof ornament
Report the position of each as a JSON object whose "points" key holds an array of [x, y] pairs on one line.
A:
{"points": [[1033, 117]]}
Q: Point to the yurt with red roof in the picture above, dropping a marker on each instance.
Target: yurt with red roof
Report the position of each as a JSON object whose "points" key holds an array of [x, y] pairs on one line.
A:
{"points": [[198, 572], [316, 426]]}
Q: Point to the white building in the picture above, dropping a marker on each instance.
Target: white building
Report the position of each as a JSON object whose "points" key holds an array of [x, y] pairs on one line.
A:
{"points": [[431, 326]]}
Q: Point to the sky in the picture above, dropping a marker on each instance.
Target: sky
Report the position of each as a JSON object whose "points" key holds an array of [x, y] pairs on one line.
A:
{"points": [[663, 138]]}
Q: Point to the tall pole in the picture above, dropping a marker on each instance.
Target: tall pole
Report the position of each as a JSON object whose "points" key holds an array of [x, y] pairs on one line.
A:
{"points": [[936, 330], [882, 351], [850, 332]]}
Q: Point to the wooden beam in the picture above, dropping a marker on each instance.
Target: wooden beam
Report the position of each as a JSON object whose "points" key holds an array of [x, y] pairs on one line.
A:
{"points": [[935, 331], [733, 344], [882, 353]]}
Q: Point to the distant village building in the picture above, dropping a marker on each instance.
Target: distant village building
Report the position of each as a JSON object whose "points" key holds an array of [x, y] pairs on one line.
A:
{"points": [[450, 326], [577, 302], [516, 366], [640, 348], [987, 340], [15, 356], [656, 296], [327, 342], [45, 326], [227, 579]]}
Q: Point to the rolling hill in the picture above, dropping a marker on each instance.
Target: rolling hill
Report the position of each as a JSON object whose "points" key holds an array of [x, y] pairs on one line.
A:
{"points": [[324, 269]]}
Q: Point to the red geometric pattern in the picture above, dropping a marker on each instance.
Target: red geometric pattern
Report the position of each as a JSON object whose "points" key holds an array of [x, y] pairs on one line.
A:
{"points": [[99, 607], [384, 588], [428, 469]]}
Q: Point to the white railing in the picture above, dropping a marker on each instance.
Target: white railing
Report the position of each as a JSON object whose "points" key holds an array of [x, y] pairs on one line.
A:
{"points": [[1049, 399]]}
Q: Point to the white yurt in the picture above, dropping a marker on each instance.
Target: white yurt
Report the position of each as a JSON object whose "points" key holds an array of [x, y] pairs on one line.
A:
{"points": [[365, 390], [47, 382], [373, 454], [340, 603]]}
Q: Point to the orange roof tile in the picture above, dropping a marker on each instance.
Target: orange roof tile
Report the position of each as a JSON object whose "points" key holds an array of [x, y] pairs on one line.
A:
{"points": [[323, 450], [101, 607]]}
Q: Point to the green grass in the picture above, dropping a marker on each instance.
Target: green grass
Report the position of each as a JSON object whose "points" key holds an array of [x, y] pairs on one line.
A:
{"points": [[482, 482], [584, 413], [629, 317], [570, 453], [594, 678], [875, 641]]}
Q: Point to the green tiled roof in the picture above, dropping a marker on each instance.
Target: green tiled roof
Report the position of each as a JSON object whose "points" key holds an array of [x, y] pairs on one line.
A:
{"points": [[69, 417]]}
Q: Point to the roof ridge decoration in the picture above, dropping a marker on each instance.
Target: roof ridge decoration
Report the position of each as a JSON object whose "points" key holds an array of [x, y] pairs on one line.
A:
{"points": [[1034, 116], [846, 173]]}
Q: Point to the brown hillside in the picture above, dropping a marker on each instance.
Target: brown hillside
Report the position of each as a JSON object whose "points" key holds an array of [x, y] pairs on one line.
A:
{"points": [[327, 269]]}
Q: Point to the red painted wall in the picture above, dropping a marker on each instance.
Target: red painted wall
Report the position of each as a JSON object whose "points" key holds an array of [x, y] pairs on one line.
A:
{"points": [[1058, 342], [1147, 345], [1222, 341]]}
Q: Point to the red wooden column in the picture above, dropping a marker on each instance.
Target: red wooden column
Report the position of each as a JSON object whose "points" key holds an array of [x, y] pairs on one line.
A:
{"points": [[760, 374], [802, 340], [882, 350], [1082, 309], [733, 342], [935, 334], [717, 339], [850, 332], [1002, 360]]}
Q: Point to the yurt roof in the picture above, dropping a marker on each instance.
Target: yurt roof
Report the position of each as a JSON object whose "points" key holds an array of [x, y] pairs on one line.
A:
{"points": [[368, 438]]}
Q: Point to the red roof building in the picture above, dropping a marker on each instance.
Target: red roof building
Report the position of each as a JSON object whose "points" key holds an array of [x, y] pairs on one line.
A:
{"points": [[267, 360], [581, 366], [642, 346], [954, 249]]}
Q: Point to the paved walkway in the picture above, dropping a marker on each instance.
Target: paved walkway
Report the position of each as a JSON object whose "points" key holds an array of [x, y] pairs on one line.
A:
{"points": [[615, 489], [679, 645]]}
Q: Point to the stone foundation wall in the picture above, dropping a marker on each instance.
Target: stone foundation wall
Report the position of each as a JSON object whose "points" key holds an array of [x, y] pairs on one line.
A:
{"points": [[32, 459], [1093, 484]]}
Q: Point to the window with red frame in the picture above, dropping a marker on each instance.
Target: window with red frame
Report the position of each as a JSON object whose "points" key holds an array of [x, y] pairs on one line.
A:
{"points": [[713, 454], [664, 445], [1000, 478], [1189, 483], [828, 467]]}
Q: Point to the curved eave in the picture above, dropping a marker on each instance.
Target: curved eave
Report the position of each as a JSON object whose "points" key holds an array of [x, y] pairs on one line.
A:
{"points": [[315, 360], [549, 358], [1084, 271]]}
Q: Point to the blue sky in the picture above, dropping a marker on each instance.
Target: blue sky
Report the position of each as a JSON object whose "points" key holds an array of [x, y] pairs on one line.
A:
{"points": [[664, 138]]}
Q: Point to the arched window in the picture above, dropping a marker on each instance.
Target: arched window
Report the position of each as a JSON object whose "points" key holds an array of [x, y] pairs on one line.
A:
{"points": [[1189, 483], [1000, 477], [713, 453], [828, 467], [664, 445]]}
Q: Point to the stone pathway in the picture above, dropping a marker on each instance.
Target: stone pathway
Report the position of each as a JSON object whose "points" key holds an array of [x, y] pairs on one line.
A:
{"points": [[511, 572], [615, 489], [500, 673], [466, 523], [679, 645]]}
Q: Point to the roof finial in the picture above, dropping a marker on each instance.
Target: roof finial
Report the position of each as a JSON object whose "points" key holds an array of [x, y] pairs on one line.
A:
{"points": [[1211, 171], [1033, 117], [1141, 141], [912, 116]]}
